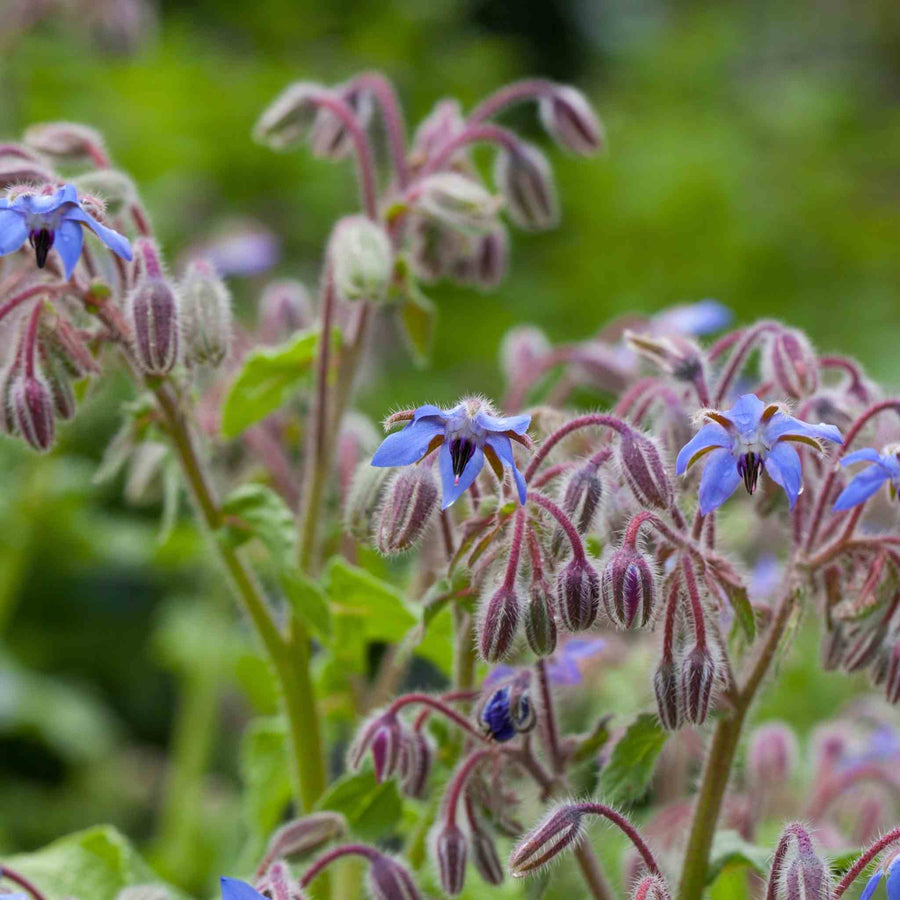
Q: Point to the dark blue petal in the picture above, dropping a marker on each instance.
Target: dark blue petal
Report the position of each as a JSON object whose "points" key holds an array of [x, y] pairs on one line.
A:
{"points": [[69, 238], [118, 244], [402, 448], [232, 889], [782, 426], [746, 413], [783, 466], [496, 716], [451, 489], [872, 884], [719, 480], [516, 424], [862, 486], [711, 435], [13, 232], [501, 445]]}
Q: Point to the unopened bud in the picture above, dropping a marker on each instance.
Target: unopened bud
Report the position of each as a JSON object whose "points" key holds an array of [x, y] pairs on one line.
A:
{"points": [[287, 120], [526, 182], [793, 364], [415, 763], [330, 137], [305, 834], [366, 495], [578, 594], [65, 141], [205, 315], [807, 877], [507, 713], [540, 621], [32, 411], [643, 468], [276, 883], [410, 502], [60, 384], [450, 851], [386, 748], [486, 262], [561, 830], [435, 250], [154, 316], [629, 588], [21, 168], [500, 624], [677, 355], [522, 348], [771, 755], [485, 857], [284, 308], [581, 499], [570, 121], [698, 672], [362, 259], [651, 888], [389, 880], [459, 202], [444, 122], [665, 686]]}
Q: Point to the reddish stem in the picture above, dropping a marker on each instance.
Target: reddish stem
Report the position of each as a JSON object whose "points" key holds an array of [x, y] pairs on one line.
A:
{"points": [[804, 844], [458, 782], [739, 355], [30, 340], [671, 615], [19, 299], [599, 809], [517, 92], [22, 882], [599, 419], [438, 706], [567, 526], [854, 871], [472, 134], [326, 859], [392, 115], [550, 731], [515, 549], [690, 581]]}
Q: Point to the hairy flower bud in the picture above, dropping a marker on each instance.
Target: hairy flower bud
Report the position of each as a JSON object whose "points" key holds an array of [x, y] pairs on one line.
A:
{"points": [[366, 495], [385, 747], [561, 830], [389, 880], [628, 586], [771, 755], [643, 468], [581, 499], [205, 315], [65, 141], [793, 364], [284, 308], [450, 851], [651, 888], [459, 203], [484, 265], [569, 119], [499, 624], [678, 356], [330, 137], [19, 166], [303, 835], [522, 348], [32, 411], [277, 883], [362, 259], [410, 502], [60, 385], [807, 876], [665, 686], [444, 122], [154, 316], [416, 758], [526, 182], [485, 856], [698, 672], [578, 594], [540, 620], [287, 121]]}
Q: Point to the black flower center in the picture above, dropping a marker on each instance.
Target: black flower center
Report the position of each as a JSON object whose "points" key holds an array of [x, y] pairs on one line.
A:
{"points": [[461, 451], [749, 465], [42, 241]]}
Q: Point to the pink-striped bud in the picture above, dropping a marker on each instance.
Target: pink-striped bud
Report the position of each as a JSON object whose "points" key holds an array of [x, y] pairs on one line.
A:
{"points": [[386, 747], [526, 181], [65, 141], [628, 586], [665, 686], [450, 851], [771, 755], [561, 830], [643, 468], [330, 138], [410, 502], [581, 500], [807, 877], [578, 594], [303, 835], [32, 411], [277, 883], [792, 364], [540, 618], [570, 121], [154, 316], [698, 673], [651, 888], [486, 263], [416, 758], [284, 309], [444, 122], [59, 383], [288, 119], [499, 624], [389, 880], [485, 857]]}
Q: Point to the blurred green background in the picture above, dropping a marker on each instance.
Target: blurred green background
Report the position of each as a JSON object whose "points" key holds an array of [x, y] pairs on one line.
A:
{"points": [[754, 157]]}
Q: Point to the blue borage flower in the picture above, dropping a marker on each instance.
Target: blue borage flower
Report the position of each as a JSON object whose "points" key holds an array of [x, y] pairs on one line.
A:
{"points": [[698, 319], [563, 667], [53, 220], [232, 889], [467, 435], [885, 468], [889, 869], [506, 714], [741, 441]]}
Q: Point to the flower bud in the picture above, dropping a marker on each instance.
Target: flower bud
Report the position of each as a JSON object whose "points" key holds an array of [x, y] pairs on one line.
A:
{"points": [[389, 880], [205, 315], [415, 763], [698, 672], [499, 624], [807, 877], [450, 850], [569, 119], [485, 856], [522, 348], [154, 316], [330, 138], [366, 494], [486, 262], [305, 834], [665, 686], [679, 356], [629, 588], [540, 621], [643, 468], [444, 122], [436, 251], [793, 364], [651, 888], [287, 120], [19, 166], [507, 713], [561, 830], [64, 141], [582, 496], [8, 419], [362, 259], [386, 747], [578, 594], [278, 883], [410, 501], [60, 386], [526, 182], [771, 755], [284, 308], [32, 411], [459, 203]]}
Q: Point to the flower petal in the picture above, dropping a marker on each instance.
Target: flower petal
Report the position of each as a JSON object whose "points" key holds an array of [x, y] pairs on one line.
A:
{"points": [[232, 889], [871, 885], [719, 480], [783, 466], [516, 424], [862, 486], [404, 447], [13, 232], [428, 409], [783, 426], [115, 241], [698, 318], [49, 203], [501, 445], [451, 489], [893, 880], [68, 242], [709, 436], [867, 454], [746, 413]]}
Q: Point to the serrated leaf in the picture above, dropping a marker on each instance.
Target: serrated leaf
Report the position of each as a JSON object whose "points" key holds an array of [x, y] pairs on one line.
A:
{"points": [[626, 776], [266, 381], [253, 510], [372, 810], [265, 768], [730, 849], [308, 601], [419, 317]]}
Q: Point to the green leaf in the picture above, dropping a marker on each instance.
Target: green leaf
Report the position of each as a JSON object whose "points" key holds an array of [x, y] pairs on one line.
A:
{"points": [[730, 849], [372, 810], [626, 776], [589, 745], [253, 510], [307, 600], [268, 378], [265, 765], [97, 863], [743, 609], [419, 317]]}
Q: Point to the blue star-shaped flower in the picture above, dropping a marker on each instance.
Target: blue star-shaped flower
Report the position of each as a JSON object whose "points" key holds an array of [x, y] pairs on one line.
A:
{"points": [[467, 435], [889, 869], [885, 468], [53, 220], [741, 441], [232, 889]]}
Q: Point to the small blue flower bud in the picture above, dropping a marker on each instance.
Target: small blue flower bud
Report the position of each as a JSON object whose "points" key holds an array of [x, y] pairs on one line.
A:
{"points": [[205, 315], [362, 259], [499, 624], [450, 851], [578, 594], [525, 179], [506, 714]]}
